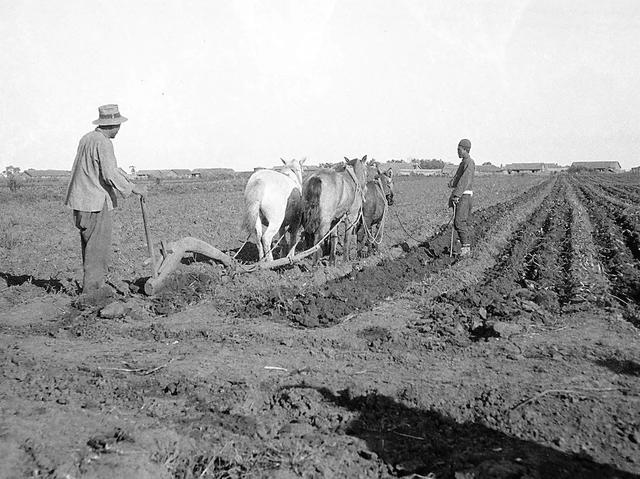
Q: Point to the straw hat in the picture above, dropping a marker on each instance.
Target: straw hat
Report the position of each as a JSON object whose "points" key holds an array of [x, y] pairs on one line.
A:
{"points": [[109, 115]]}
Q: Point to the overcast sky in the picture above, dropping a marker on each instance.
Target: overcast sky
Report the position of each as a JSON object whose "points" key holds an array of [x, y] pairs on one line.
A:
{"points": [[242, 83]]}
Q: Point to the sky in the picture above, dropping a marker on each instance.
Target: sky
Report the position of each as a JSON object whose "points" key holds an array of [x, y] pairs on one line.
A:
{"points": [[240, 84]]}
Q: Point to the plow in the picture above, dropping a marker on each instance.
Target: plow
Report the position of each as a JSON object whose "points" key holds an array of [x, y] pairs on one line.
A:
{"points": [[172, 253]]}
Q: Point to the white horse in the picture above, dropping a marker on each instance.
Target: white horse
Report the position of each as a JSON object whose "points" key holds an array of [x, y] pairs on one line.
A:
{"points": [[273, 198]]}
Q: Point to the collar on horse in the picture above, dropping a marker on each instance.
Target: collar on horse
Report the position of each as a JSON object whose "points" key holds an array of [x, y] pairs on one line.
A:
{"points": [[359, 189], [289, 173]]}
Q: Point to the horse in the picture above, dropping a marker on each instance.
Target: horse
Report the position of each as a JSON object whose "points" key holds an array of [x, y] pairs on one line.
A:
{"points": [[273, 198], [389, 176], [328, 196], [378, 197]]}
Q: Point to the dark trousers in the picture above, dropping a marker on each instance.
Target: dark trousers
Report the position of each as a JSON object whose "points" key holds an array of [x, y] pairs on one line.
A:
{"points": [[462, 220], [95, 236]]}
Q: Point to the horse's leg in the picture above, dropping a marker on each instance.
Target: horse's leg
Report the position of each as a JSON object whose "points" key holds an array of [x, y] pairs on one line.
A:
{"points": [[367, 240], [283, 246], [360, 237], [293, 239], [348, 233], [320, 252], [267, 236], [258, 230], [319, 236], [332, 248], [371, 245]]}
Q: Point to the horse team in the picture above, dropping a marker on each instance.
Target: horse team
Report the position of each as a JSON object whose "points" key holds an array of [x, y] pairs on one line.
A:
{"points": [[280, 202]]}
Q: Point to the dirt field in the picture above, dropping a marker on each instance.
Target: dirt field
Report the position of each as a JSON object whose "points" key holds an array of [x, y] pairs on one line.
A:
{"points": [[521, 361]]}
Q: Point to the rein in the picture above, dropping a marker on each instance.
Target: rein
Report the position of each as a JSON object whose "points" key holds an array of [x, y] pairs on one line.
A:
{"points": [[353, 176]]}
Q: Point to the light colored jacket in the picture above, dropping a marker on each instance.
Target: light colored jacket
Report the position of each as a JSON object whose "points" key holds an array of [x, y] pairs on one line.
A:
{"points": [[95, 176]]}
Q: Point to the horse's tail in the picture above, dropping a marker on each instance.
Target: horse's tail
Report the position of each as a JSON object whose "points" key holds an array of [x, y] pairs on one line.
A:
{"points": [[252, 203], [311, 205]]}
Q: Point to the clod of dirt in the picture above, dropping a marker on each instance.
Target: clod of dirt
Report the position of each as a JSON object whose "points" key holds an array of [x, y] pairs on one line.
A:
{"points": [[106, 442], [504, 329], [121, 287], [116, 309], [547, 299]]}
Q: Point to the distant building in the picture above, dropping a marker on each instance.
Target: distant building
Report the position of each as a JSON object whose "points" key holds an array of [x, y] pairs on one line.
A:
{"points": [[212, 172], [636, 170], [525, 168], [47, 174], [489, 170], [555, 168], [182, 173], [396, 167], [602, 166], [403, 168], [156, 174], [422, 172], [449, 169]]}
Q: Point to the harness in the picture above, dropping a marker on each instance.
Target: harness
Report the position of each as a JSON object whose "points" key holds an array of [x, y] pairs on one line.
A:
{"points": [[377, 238], [386, 203], [353, 176], [289, 173]]}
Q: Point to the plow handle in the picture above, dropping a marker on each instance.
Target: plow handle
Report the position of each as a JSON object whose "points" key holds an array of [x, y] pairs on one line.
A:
{"points": [[148, 237], [452, 231]]}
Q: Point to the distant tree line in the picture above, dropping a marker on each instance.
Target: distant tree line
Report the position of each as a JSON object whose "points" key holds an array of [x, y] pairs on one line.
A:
{"points": [[425, 164], [432, 164]]}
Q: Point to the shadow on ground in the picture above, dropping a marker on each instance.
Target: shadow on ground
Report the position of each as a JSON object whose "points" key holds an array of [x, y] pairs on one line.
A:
{"points": [[247, 253], [621, 366], [49, 285], [416, 441]]}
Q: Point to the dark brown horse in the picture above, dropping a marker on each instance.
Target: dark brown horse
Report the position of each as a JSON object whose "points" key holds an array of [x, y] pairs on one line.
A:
{"points": [[330, 195], [377, 199]]}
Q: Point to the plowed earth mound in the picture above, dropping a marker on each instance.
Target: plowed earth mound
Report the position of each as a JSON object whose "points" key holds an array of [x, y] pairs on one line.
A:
{"points": [[518, 362]]}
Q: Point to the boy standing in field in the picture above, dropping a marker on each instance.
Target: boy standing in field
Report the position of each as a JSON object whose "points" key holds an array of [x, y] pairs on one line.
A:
{"points": [[91, 195], [461, 196]]}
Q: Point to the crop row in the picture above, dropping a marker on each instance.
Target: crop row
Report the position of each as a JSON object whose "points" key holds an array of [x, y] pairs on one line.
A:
{"points": [[616, 237]]}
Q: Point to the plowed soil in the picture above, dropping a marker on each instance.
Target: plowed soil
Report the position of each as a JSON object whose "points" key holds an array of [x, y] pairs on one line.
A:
{"points": [[520, 361]]}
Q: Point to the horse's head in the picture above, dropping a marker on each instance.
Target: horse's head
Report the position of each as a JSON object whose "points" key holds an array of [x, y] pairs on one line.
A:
{"points": [[387, 185], [360, 170], [372, 172], [295, 167]]}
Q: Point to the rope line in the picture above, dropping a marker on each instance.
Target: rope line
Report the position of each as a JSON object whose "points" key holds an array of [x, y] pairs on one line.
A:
{"points": [[370, 237]]}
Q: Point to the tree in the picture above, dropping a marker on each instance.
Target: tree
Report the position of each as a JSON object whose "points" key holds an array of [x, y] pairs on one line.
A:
{"points": [[432, 164], [11, 170], [13, 176]]}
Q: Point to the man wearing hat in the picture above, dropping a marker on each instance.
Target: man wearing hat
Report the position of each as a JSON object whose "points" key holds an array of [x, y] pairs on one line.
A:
{"points": [[95, 179], [462, 195]]}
